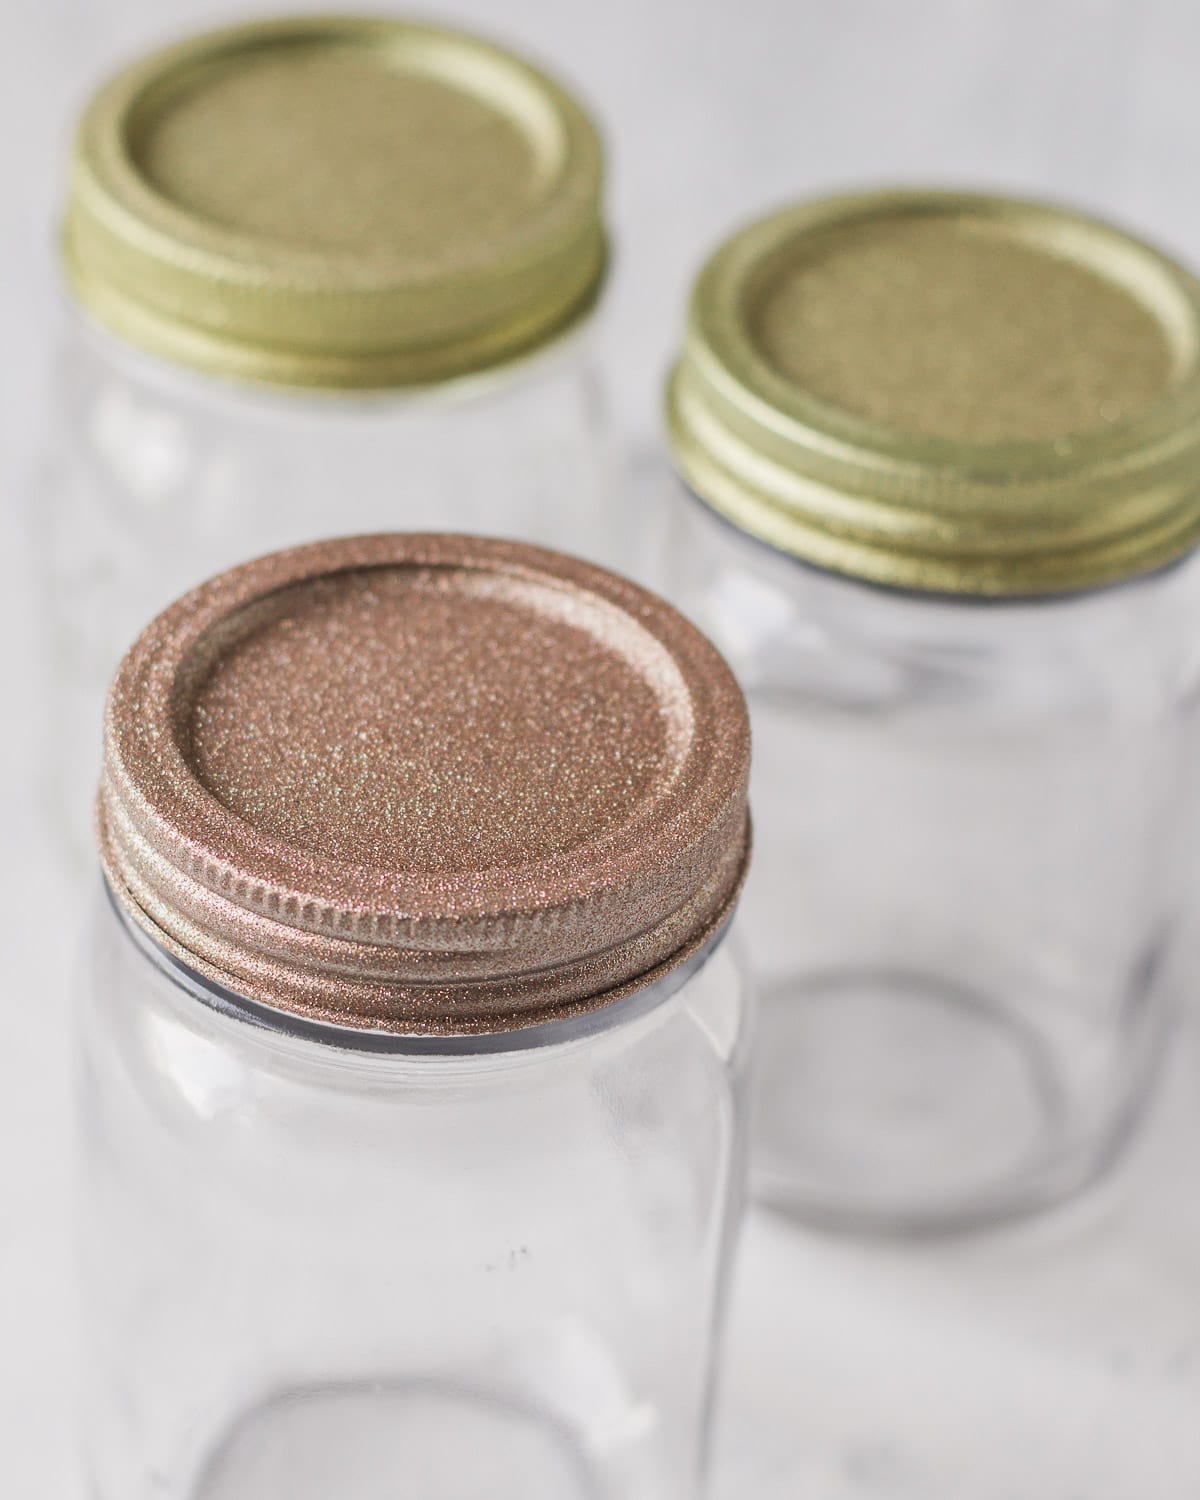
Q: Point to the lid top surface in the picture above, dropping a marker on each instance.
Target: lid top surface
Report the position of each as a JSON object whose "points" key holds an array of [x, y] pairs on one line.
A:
{"points": [[437, 721], [967, 329], [378, 151]]}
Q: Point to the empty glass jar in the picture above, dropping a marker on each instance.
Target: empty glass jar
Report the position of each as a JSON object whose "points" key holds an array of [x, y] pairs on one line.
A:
{"points": [[940, 462], [413, 1050], [328, 275]]}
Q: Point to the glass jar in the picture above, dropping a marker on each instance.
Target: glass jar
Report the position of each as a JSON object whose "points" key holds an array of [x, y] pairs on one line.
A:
{"points": [[329, 275], [940, 463], [413, 1050]]}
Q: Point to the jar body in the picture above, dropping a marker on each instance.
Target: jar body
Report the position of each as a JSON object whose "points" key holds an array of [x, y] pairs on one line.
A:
{"points": [[971, 878], [158, 478], [312, 1271]]}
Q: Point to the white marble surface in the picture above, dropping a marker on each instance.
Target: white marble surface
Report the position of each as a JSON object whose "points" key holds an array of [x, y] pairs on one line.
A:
{"points": [[1056, 1362]]}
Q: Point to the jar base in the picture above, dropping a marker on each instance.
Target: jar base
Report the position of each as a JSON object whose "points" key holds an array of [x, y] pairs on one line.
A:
{"points": [[373, 1440], [900, 1103]]}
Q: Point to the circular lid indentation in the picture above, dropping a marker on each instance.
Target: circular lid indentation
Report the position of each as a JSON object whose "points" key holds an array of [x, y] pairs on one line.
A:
{"points": [[955, 327], [424, 783], [349, 149], [438, 720]]}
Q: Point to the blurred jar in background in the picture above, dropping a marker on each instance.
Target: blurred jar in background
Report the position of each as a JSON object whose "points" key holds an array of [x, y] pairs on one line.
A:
{"points": [[413, 1049], [331, 275], [940, 485]]}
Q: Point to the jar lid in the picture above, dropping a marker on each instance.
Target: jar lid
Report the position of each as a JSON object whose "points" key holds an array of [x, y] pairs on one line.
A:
{"points": [[426, 784], [335, 202], [945, 391]]}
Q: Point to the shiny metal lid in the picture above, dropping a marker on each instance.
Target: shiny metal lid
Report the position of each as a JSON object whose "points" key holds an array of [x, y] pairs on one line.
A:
{"points": [[335, 202], [425, 784], [949, 392]]}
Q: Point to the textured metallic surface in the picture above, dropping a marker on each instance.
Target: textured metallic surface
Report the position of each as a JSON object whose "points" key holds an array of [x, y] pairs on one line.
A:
{"points": [[628, 1003], [428, 784], [335, 202], [947, 392], [950, 329]]}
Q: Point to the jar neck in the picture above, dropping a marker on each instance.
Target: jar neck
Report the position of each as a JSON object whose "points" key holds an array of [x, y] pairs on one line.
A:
{"points": [[789, 569], [536, 366]]}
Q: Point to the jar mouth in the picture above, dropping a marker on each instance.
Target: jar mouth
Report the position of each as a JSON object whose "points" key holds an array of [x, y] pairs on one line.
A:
{"points": [[424, 783], [945, 392]]}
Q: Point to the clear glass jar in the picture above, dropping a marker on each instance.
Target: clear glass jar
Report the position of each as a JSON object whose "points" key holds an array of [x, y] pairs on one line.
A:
{"points": [[971, 654], [162, 479], [361, 353], [443, 1203]]}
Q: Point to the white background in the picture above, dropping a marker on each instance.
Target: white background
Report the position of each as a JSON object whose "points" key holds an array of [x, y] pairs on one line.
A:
{"points": [[1057, 1362]]}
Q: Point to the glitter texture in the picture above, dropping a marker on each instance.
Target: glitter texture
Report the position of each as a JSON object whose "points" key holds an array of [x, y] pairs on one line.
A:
{"points": [[336, 202], [950, 329], [330, 148], [952, 393], [430, 784]]}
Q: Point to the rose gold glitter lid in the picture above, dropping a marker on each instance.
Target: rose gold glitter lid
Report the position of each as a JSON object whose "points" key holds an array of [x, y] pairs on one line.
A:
{"points": [[425, 784]]}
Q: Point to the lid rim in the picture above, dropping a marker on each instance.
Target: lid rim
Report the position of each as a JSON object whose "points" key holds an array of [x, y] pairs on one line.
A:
{"points": [[425, 1027], [1061, 572], [398, 367]]}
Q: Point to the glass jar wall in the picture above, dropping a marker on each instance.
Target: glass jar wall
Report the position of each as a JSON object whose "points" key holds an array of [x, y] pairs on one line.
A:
{"points": [[312, 1269], [970, 650], [967, 900]]}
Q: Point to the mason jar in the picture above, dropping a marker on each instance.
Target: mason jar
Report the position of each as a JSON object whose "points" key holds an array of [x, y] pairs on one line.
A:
{"points": [[413, 1050], [938, 496], [327, 275]]}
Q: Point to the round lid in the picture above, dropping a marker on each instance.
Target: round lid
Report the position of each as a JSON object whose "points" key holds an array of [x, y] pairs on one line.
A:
{"points": [[946, 391], [429, 784], [335, 202]]}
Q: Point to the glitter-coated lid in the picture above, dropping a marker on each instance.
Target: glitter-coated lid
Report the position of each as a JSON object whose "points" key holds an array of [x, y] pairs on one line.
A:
{"points": [[336, 202], [429, 784], [950, 392]]}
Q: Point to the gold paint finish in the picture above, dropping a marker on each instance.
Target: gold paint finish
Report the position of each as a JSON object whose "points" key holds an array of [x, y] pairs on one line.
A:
{"points": [[954, 329], [947, 392], [335, 202], [425, 784], [319, 118]]}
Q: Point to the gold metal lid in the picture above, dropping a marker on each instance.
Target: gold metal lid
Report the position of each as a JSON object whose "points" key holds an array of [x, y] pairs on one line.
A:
{"points": [[947, 392], [335, 202], [425, 784]]}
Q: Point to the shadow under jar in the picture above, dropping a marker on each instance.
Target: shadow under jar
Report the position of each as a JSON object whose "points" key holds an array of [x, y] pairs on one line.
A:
{"points": [[940, 461], [413, 1048], [329, 275]]}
